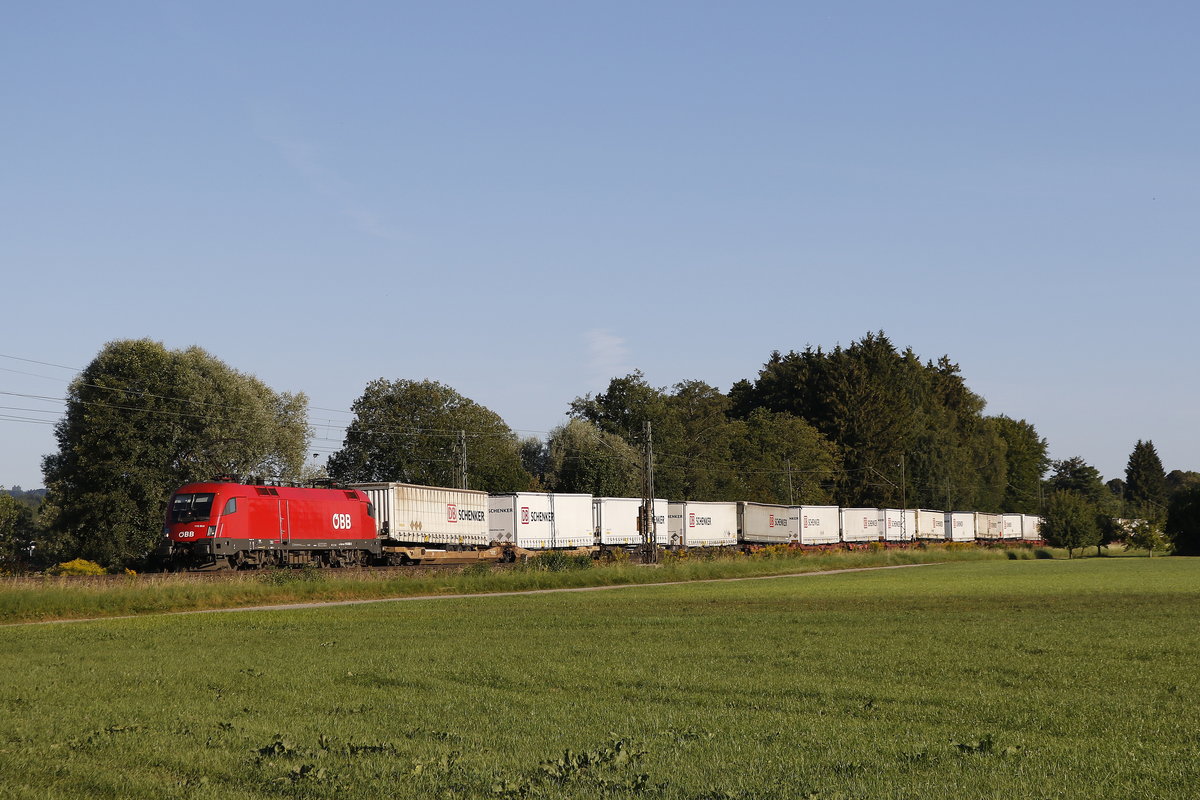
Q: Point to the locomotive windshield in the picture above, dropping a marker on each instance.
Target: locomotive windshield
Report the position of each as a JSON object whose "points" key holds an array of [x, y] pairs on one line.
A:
{"points": [[191, 507]]}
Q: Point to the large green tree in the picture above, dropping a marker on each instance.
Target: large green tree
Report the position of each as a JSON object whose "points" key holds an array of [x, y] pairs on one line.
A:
{"points": [[413, 431], [1146, 483], [1026, 460], [704, 450], [16, 533], [1183, 521], [1076, 475], [782, 459], [1069, 520], [582, 458], [140, 421], [882, 408]]}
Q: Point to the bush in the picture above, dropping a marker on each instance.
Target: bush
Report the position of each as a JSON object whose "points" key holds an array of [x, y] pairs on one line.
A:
{"points": [[477, 569], [558, 561], [79, 566]]}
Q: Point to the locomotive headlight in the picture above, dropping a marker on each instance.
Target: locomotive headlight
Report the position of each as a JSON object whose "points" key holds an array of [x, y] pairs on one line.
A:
{"points": [[166, 532], [212, 530]]}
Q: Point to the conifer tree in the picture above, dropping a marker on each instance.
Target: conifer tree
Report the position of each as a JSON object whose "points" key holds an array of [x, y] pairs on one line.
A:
{"points": [[1146, 482]]}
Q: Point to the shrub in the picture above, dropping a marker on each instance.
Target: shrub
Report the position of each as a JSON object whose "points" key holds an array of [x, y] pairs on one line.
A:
{"points": [[79, 566], [477, 569], [558, 561]]}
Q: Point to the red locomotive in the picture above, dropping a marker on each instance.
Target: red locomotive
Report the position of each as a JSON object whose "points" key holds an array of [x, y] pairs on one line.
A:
{"points": [[227, 524]]}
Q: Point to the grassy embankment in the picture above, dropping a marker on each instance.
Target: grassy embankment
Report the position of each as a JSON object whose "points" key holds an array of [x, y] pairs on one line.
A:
{"points": [[974, 679], [50, 598]]}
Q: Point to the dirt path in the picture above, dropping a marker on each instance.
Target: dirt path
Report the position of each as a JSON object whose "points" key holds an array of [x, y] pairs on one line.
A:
{"points": [[331, 603]]}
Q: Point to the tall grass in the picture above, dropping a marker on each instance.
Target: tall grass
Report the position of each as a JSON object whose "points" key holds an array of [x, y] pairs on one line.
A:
{"points": [[51, 598]]}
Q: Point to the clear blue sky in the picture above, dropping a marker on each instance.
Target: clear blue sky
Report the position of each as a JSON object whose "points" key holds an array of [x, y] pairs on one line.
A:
{"points": [[523, 200]]}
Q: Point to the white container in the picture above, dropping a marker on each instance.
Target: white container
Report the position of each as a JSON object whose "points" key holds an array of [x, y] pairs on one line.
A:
{"points": [[615, 520], [899, 525], [761, 523], [699, 524], [1011, 526], [407, 513], [988, 527], [538, 521], [862, 525], [1031, 528], [960, 526], [931, 524], [820, 525]]}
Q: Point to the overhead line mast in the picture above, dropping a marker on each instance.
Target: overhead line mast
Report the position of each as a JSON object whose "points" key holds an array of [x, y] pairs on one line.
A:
{"points": [[646, 521]]}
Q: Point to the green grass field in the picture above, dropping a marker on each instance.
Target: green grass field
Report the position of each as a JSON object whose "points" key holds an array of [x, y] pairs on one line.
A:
{"points": [[986, 679]]}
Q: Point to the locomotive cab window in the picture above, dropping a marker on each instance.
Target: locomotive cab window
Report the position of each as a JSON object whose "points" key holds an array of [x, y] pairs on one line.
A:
{"points": [[230, 507], [191, 507]]}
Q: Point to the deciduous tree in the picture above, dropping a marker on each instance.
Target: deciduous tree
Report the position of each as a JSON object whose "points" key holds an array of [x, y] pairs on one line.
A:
{"points": [[411, 432], [1183, 521], [582, 458], [141, 420], [1069, 521]]}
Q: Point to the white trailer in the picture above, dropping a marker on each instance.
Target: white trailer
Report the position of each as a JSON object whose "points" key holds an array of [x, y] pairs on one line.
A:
{"points": [[698, 524], [988, 527], [1012, 525], [410, 514], [538, 521], [862, 525], [960, 526], [931, 524], [615, 520], [899, 525], [762, 523], [1031, 528], [820, 525]]}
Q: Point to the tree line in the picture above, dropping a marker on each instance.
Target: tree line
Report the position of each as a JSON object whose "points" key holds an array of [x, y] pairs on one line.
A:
{"points": [[864, 425]]}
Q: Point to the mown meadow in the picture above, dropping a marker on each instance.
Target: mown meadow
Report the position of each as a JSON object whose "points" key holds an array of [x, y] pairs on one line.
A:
{"points": [[997, 678]]}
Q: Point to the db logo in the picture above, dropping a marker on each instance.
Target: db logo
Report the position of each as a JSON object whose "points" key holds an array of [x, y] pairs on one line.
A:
{"points": [[524, 515], [451, 512], [772, 525], [691, 520]]}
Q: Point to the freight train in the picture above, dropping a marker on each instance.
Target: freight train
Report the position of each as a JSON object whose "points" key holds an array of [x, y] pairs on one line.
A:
{"points": [[224, 523]]}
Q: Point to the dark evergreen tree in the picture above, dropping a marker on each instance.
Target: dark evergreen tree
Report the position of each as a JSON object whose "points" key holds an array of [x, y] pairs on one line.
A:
{"points": [[880, 407], [1183, 521], [1145, 482]]}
